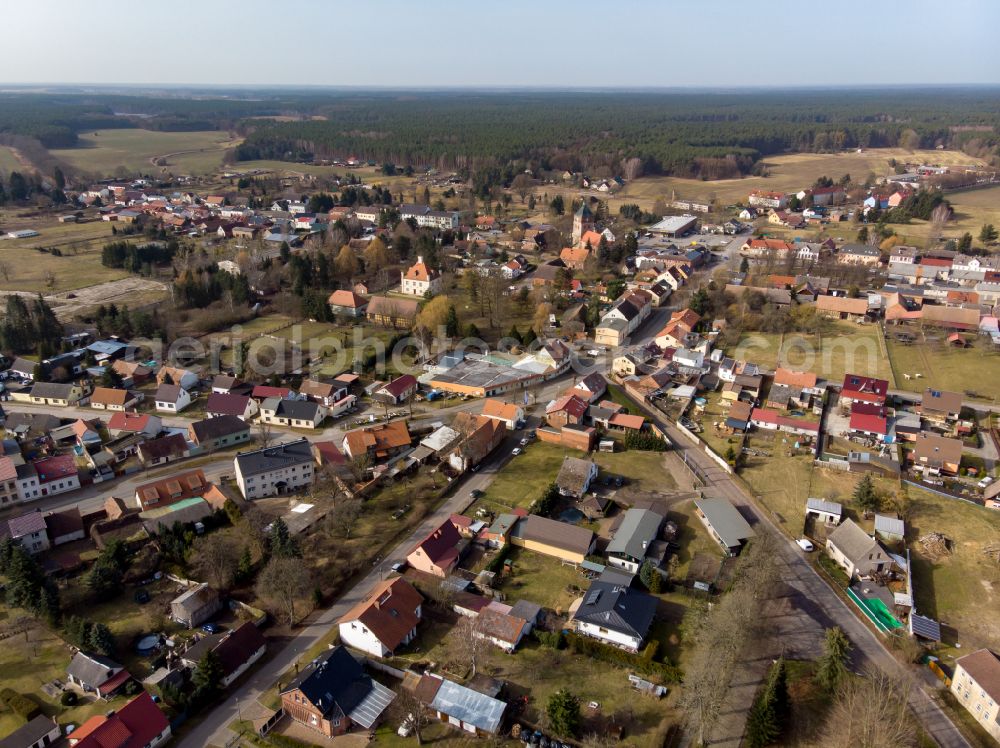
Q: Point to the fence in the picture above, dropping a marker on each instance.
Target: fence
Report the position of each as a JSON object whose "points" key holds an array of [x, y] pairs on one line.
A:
{"points": [[939, 492], [720, 461], [833, 462]]}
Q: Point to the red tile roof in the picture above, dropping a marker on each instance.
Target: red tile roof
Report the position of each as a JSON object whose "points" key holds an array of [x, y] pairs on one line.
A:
{"points": [[390, 612], [440, 545], [399, 385], [126, 421], [869, 418], [135, 724], [54, 468], [866, 389], [263, 391]]}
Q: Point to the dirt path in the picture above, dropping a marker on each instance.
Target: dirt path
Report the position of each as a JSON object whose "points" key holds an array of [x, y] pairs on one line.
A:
{"points": [[68, 304], [221, 147]]}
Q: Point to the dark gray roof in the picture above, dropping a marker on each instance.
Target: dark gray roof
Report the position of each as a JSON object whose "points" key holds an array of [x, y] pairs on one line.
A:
{"points": [[214, 428], [336, 684], [636, 532], [92, 669], [617, 608], [274, 458], [168, 393], [526, 610], [51, 390], [726, 520], [31, 733], [299, 410]]}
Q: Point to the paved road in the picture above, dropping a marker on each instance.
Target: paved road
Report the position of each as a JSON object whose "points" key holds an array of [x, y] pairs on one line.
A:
{"points": [[804, 607], [213, 728]]}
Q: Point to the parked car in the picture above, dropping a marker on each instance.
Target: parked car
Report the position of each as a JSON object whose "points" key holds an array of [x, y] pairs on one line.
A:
{"points": [[985, 482], [524, 442], [400, 566], [805, 544], [515, 452], [475, 493], [211, 628]]}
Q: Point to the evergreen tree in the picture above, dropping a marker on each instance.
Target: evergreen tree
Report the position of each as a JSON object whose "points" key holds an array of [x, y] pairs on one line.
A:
{"points": [[282, 543], [101, 640], [563, 710], [831, 668], [207, 678], [244, 567], [767, 717], [865, 495], [451, 322], [514, 334]]}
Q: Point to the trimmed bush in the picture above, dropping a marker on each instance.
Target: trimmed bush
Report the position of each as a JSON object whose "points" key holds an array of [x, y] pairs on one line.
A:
{"points": [[20, 704], [607, 653]]}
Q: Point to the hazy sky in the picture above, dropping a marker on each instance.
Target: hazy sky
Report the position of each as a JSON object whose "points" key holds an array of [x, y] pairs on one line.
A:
{"points": [[427, 43]]}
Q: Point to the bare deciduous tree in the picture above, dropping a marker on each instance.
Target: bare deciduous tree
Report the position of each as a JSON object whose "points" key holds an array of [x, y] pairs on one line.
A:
{"points": [[5, 270], [265, 434], [215, 559], [411, 710], [871, 711], [282, 584], [472, 645], [343, 518]]}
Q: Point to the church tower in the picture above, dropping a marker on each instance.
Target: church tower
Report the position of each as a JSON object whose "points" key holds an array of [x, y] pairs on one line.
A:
{"points": [[583, 221]]}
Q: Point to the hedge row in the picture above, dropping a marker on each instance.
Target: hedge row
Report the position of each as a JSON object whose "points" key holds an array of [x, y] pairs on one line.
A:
{"points": [[642, 663], [496, 563], [19, 704]]}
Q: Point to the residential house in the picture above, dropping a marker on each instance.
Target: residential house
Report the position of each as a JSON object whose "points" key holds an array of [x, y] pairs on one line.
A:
{"points": [[236, 650], [385, 620], [419, 279], [133, 374], [575, 476], [569, 543], [175, 375], [575, 258], [171, 398], [347, 303], [842, 307], [479, 437], [223, 384], [388, 311], [863, 389], [95, 674], [326, 394], [195, 606], [776, 420], [976, 686], [679, 330], [567, 410], [378, 441], [724, 523], [139, 723], [766, 247], [8, 481], [633, 540], [276, 470], [163, 450], [468, 710], [936, 455], [399, 390], [856, 551], [111, 398], [829, 513], [38, 732], [615, 614], [302, 414], [868, 419], [511, 414], [219, 432], [941, 407], [591, 388], [133, 423], [64, 527], [500, 625], [57, 474], [766, 199], [29, 530], [230, 404], [174, 488], [59, 395], [439, 553], [859, 254]]}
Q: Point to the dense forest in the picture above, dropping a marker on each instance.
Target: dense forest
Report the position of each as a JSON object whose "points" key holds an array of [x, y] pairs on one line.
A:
{"points": [[710, 135]]}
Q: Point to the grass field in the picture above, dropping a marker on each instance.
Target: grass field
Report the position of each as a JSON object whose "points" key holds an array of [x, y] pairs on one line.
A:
{"points": [[644, 470], [79, 265], [543, 580], [792, 171], [104, 151], [526, 477], [8, 161], [843, 348], [955, 369]]}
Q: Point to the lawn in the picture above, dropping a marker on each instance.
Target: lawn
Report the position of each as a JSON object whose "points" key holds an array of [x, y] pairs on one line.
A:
{"points": [[713, 413], [526, 477], [779, 481], [104, 151], [843, 348], [542, 580], [946, 368], [693, 538], [643, 470], [28, 661], [961, 589]]}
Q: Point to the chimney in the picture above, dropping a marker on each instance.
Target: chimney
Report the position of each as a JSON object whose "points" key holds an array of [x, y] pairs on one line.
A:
{"points": [[420, 259]]}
